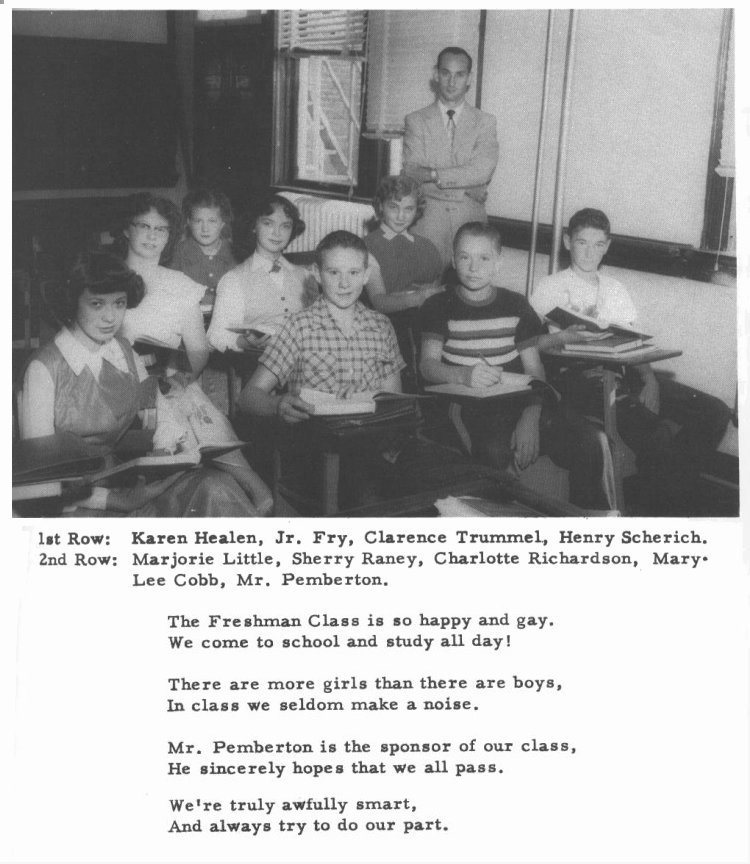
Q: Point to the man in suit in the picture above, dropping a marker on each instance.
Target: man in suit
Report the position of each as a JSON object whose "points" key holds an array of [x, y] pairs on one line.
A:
{"points": [[451, 149]]}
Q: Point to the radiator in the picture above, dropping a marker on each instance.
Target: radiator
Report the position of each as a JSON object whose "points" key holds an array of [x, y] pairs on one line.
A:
{"points": [[322, 215]]}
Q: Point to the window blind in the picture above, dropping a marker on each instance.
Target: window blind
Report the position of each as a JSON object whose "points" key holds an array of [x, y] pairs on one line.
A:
{"points": [[402, 48], [312, 31]]}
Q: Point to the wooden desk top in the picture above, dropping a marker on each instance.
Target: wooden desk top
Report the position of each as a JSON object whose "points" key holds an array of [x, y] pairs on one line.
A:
{"points": [[612, 360]]}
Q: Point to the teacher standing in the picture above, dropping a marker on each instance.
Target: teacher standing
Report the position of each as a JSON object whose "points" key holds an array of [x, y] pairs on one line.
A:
{"points": [[451, 149]]}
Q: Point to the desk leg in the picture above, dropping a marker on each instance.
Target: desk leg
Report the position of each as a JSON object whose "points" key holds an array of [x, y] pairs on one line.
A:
{"points": [[331, 469], [621, 455]]}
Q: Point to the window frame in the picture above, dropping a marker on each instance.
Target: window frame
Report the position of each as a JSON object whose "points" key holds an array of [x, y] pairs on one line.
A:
{"points": [[372, 158]]}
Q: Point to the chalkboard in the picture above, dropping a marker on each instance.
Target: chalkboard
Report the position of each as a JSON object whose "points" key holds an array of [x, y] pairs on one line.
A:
{"points": [[92, 114]]}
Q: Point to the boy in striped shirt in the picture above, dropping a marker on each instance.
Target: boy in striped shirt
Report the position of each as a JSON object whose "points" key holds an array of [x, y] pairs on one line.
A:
{"points": [[477, 330]]}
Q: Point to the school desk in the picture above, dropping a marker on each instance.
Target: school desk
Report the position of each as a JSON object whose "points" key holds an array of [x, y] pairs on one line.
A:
{"points": [[611, 365], [328, 438]]}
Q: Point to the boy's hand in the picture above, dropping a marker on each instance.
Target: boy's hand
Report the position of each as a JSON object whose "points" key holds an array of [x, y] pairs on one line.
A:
{"points": [[572, 334], [291, 409], [525, 439], [483, 375]]}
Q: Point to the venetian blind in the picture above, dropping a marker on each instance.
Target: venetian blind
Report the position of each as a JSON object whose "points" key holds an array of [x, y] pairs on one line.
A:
{"points": [[313, 31], [402, 49]]}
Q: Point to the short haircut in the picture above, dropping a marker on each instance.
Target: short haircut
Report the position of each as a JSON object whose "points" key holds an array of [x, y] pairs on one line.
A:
{"points": [[207, 197], [100, 273], [396, 187], [589, 218], [140, 204], [479, 229], [267, 204], [340, 240], [453, 49]]}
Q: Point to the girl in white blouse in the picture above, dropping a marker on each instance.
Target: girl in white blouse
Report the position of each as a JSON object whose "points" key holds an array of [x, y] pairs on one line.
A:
{"points": [[170, 313], [257, 296]]}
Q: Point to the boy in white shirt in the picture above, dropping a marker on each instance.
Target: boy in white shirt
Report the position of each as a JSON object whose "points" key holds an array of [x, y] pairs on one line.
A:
{"points": [[660, 421]]}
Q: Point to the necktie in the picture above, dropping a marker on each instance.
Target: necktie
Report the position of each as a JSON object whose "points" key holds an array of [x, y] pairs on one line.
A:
{"points": [[451, 126], [276, 266]]}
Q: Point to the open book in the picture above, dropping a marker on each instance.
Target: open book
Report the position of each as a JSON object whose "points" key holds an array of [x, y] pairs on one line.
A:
{"points": [[206, 431], [567, 318], [61, 460], [64, 459], [511, 382]]}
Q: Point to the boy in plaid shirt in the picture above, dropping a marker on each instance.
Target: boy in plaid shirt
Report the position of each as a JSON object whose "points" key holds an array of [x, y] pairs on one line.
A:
{"points": [[337, 345]]}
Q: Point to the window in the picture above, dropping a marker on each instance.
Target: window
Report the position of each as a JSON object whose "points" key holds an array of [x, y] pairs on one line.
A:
{"points": [[319, 102], [329, 96]]}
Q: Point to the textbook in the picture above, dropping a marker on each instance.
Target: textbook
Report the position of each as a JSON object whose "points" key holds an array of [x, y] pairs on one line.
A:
{"points": [[51, 457], [644, 351], [366, 402], [566, 318], [511, 382], [611, 344], [205, 430], [404, 410], [328, 404]]}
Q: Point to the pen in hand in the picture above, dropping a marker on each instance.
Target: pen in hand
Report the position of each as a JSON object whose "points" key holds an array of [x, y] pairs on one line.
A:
{"points": [[484, 374]]}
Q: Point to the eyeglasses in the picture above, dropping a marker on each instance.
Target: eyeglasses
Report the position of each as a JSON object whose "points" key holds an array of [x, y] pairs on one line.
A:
{"points": [[145, 228]]}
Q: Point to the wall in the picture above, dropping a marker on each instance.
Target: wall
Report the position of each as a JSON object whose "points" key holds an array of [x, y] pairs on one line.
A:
{"points": [[641, 115], [139, 26]]}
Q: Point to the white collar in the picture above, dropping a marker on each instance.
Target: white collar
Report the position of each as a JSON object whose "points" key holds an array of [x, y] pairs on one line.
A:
{"points": [[444, 112], [263, 265], [79, 357], [389, 233]]}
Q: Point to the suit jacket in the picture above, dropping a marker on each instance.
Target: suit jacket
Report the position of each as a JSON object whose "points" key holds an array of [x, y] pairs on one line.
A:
{"points": [[465, 171]]}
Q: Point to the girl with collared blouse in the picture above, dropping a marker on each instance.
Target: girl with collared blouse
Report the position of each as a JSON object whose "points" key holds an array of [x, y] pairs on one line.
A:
{"points": [[89, 382], [261, 293], [405, 268]]}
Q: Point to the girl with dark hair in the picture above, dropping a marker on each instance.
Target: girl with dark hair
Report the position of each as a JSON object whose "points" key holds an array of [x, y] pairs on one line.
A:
{"points": [[170, 314], [89, 382], [263, 291]]}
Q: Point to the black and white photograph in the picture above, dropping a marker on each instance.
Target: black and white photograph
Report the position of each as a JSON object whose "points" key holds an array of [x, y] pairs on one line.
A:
{"points": [[531, 311]]}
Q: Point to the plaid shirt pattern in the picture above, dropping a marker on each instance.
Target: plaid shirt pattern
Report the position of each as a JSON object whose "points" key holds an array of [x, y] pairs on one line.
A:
{"points": [[311, 351]]}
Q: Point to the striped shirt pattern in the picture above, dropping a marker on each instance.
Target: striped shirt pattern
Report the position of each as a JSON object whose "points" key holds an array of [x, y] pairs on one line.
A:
{"points": [[494, 331]]}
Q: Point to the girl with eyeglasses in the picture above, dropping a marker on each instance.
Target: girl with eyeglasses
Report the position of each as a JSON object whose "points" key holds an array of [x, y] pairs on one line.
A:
{"points": [[169, 315]]}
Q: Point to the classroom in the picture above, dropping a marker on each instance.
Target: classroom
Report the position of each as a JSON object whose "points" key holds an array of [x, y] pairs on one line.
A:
{"points": [[162, 158]]}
